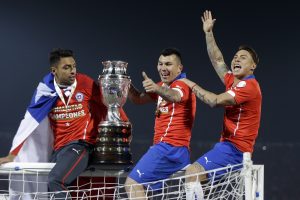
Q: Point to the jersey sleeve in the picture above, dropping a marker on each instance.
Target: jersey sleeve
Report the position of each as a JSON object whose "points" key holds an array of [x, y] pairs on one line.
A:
{"points": [[244, 91], [182, 88]]}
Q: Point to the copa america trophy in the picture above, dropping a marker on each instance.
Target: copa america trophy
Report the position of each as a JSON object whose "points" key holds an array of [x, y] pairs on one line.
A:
{"points": [[114, 134]]}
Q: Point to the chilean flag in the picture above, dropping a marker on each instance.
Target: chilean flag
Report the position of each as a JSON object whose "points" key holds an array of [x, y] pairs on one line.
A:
{"points": [[34, 138]]}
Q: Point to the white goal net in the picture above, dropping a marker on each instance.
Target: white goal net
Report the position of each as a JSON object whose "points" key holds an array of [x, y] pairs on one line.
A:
{"points": [[29, 181]]}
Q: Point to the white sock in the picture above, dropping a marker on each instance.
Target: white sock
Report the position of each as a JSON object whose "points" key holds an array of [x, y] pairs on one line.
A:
{"points": [[198, 191], [190, 190]]}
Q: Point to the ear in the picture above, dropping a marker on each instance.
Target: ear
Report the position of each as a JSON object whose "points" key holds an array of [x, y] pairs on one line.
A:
{"points": [[53, 70], [253, 67], [181, 67]]}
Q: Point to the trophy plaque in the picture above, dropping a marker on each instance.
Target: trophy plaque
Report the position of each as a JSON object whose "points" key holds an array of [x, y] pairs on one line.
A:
{"points": [[114, 134]]}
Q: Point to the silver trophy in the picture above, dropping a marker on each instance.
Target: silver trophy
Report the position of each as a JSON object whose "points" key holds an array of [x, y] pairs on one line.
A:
{"points": [[114, 133]]}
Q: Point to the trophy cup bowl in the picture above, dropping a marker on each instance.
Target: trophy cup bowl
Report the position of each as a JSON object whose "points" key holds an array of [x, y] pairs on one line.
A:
{"points": [[114, 134]]}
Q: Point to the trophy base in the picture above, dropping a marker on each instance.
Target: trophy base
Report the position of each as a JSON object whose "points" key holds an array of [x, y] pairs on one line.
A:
{"points": [[120, 159], [113, 145]]}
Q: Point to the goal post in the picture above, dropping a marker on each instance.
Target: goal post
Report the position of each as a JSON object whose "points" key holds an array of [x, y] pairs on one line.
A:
{"points": [[29, 181]]}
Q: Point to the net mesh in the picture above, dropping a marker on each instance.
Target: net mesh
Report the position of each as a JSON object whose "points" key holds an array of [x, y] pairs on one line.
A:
{"points": [[25, 183]]}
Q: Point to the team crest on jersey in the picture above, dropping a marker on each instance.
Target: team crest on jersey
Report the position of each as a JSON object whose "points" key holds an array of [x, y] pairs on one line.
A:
{"points": [[241, 84], [79, 96]]}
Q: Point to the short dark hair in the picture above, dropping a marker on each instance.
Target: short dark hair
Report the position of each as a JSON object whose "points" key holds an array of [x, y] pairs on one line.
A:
{"points": [[251, 51], [171, 51], [56, 54]]}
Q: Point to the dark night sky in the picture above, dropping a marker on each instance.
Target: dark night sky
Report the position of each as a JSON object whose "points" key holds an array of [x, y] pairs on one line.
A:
{"points": [[136, 32]]}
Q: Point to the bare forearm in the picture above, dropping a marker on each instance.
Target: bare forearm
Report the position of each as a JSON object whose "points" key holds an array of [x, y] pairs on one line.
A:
{"points": [[136, 96], [213, 50], [207, 97], [168, 94], [215, 55]]}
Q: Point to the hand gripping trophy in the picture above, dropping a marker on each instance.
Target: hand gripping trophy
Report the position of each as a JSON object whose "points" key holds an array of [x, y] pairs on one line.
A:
{"points": [[114, 134]]}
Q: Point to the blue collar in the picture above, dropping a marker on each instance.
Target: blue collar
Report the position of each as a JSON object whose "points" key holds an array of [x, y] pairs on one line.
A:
{"points": [[180, 76], [249, 77]]}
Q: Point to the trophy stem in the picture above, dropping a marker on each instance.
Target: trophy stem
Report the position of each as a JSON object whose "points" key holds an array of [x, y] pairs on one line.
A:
{"points": [[113, 114]]}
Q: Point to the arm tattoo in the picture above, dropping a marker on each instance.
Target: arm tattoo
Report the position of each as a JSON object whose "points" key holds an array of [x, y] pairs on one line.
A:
{"points": [[205, 96], [215, 55], [168, 94]]}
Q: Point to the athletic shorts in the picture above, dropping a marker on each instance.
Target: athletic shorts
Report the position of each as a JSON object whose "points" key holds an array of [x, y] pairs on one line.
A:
{"points": [[159, 162], [222, 155]]}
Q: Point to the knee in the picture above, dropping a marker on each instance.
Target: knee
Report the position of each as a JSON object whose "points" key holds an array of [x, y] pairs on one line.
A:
{"points": [[53, 183], [194, 169], [193, 172], [55, 178], [129, 182], [52, 178]]}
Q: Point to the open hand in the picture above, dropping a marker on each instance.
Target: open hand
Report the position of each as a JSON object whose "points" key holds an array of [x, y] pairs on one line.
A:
{"points": [[208, 21]]}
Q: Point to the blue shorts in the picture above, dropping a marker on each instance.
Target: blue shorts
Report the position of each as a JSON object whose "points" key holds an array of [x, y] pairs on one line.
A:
{"points": [[222, 155], [159, 162]]}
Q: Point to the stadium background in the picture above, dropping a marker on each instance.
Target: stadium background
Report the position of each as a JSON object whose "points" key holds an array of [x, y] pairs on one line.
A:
{"points": [[136, 32]]}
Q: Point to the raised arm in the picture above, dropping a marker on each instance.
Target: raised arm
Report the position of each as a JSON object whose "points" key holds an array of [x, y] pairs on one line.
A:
{"points": [[214, 53], [212, 99], [167, 94]]}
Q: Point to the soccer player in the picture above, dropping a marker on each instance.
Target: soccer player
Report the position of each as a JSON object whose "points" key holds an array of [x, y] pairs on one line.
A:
{"points": [[66, 106], [174, 117], [242, 103]]}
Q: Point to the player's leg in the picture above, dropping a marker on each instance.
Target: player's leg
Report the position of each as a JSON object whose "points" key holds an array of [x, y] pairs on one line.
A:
{"points": [[222, 155], [193, 180], [71, 161], [134, 189], [160, 161]]}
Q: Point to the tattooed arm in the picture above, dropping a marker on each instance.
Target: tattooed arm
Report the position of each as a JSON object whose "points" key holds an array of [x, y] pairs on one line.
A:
{"points": [[212, 99], [138, 97], [214, 53], [167, 94]]}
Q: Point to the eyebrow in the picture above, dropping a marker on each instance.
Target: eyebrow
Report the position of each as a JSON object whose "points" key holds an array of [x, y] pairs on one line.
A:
{"points": [[68, 65], [240, 55], [167, 62]]}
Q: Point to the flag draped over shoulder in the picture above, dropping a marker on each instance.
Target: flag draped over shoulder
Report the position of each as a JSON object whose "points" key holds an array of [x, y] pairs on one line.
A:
{"points": [[34, 134]]}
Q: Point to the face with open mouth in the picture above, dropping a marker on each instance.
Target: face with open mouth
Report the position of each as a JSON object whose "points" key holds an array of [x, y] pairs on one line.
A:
{"points": [[169, 67], [65, 71], [242, 64]]}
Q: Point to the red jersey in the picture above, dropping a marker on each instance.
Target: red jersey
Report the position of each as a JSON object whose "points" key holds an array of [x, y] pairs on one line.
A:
{"points": [[75, 121], [241, 121], [174, 121]]}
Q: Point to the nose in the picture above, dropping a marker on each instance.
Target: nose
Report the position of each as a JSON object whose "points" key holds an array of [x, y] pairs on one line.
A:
{"points": [[163, 67], [236, 60], [73, 69]]}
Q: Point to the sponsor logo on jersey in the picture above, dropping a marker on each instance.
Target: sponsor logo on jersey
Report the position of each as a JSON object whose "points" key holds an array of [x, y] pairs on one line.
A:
{"points": [[164, 110], [79, 96], [68, 108], [71, 115]]}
